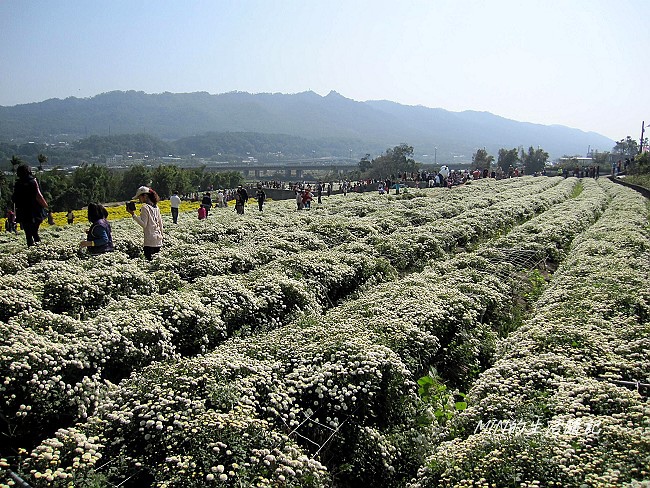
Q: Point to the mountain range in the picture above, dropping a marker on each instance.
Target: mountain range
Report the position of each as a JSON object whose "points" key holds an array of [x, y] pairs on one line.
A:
{"points": [[366, 127]]}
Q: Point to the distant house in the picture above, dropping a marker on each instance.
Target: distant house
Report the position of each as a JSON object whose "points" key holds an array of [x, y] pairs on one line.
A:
{"points": [[114, 160]]}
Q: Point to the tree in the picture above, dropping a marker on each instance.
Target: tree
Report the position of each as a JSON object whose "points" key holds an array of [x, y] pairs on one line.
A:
{"points": [[55, 186], [166, 179], [93, 184], [601, 158], [42, 159], [365, 164], [15, 162], [5, 192], [134, 177], [535, 160], [508, 158], [227, 179], [626, 147], [202, 180], [641, 164], [394, 161], [481, 159]]}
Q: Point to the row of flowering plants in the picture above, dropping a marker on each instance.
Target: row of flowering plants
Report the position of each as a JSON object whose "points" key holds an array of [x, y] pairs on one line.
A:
{"points": [[69, 326], [563, 405], [339, 387], [260, 237]]}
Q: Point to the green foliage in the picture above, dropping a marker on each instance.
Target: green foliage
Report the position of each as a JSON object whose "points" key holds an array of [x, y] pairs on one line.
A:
{"points": [[365, 164], [535, 160], [626, 147], [131, 179], [42, 159], [537, 284], [228, 146], [601, 159], [481, 159], [641, 164], [395, 161], [577, 189], [95, 183], [639, 179], [15, 162], [123, 144], [92, 183], [507, 158], [166, 179], [440, 402]]}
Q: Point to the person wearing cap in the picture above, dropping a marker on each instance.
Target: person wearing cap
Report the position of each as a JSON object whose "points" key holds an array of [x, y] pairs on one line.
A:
{"points": [[149, 219]]}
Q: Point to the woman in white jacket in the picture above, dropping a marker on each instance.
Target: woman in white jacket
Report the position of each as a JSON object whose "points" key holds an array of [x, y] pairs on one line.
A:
{"points": [[150, 220]]}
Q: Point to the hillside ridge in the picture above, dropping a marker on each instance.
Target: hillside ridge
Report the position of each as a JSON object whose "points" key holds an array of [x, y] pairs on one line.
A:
{"points": [[376, 123]]}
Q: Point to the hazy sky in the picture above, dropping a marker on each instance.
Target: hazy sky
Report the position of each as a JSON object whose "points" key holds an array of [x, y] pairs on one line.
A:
{"points": [[579, 63]]}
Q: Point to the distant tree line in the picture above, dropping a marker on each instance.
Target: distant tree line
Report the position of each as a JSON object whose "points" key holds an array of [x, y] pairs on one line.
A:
{"points": [[94, 183], [219, 146], [532, 161], [399, 159]]}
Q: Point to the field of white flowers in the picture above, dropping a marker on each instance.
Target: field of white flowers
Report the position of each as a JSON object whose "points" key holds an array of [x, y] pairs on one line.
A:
{"points": [[479, 336]]}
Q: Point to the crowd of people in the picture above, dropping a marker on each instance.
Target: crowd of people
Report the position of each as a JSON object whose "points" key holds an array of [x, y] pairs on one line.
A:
{"points": [[581, 172], [31, 208], [240, 196]]}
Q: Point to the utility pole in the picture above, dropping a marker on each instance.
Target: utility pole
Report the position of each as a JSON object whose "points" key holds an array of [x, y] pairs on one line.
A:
{"points": [[641, 142]]}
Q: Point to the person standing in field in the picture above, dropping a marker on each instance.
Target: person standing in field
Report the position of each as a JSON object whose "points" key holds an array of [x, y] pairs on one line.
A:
{"points": [[240, 203], [30, 204], [10, 223], [299, 198], [70, 217], [99, 238], [307, 198], [175, 203], [149, 219], [260, 196], [206, 203]]}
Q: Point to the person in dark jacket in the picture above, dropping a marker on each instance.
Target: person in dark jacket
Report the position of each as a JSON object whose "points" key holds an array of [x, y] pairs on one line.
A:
{"points": [[260, 196], [99, 236], [241, 197], [206, 203], [31, 207]]}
